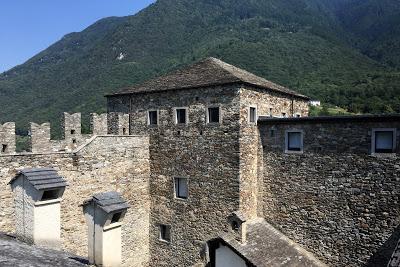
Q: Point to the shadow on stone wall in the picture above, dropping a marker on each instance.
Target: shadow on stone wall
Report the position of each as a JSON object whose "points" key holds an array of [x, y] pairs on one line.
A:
{"points": [[382, 256]]}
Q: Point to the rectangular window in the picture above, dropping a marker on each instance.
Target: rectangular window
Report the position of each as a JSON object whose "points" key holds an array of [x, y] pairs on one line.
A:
{"points": [[153, 117], [116, 217], [49, 195], [213, 115], [383, 141], [253, 115], [3, 148], [294, 141], [165, 232], [181, 188], [181, 116]]}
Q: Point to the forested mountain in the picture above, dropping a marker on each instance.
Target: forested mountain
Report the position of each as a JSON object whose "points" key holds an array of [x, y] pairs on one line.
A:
{"points": [[344, 52]]}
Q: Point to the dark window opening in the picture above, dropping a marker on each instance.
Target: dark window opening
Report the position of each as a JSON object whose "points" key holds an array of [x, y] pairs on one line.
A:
{"points": [[116, 217], [270, 112], [384, 141], [153, 118], [253, 114], [294, 141], [235, 226], [181, 188], [124, 131], [284, 115], [213, 115], [272, 133], [181, 115], [49, 194], [4, 148], [72, 131], [165, 232], [74, 141]]}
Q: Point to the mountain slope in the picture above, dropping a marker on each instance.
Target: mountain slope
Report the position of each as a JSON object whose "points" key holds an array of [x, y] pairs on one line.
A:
{"points": [[307, 45]]}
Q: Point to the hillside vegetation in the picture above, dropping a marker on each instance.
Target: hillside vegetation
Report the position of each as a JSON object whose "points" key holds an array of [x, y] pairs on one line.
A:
{"points": [[343, 52]]}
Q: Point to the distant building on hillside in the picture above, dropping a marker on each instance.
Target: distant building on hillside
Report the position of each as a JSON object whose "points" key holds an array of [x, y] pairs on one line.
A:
{"points": [[315, 103]]}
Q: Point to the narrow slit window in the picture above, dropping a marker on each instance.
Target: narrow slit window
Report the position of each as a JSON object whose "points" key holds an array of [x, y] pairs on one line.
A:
{"points": [[214, 115], [384, 141], [294, 141], [181, 188], [253, 115], [4, 148], [165, 233], [181, 115], [153, 117]]}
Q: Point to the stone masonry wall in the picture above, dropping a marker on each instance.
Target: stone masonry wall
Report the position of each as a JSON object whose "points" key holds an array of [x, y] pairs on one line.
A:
{"points": [[106, 163], [7, 138], [206, 154], [335, 198], [40, 138], [250, 143]]}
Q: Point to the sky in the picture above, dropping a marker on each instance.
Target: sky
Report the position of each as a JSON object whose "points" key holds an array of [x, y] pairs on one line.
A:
{"points": [[30, 26]]}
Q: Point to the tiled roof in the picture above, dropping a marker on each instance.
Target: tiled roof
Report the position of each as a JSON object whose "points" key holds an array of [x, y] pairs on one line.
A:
{"points": [[395, 259], [266, 246], [42, 178], [209, 72], [109, 201], [16, 253]]}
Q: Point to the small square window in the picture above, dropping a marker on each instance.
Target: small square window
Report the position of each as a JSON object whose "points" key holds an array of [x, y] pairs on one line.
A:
{"points": [[181, 116], [253, 115], [73, 131], [294, 141], [153, 117], [74, 141], [116, 217], [383, 141], [165, 232], [213, 115], [181, 188]]}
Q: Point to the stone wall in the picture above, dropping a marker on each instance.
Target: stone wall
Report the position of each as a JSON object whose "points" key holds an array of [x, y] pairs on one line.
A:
{"points": [[98, 124], [40, 138], [270, 104], [206, 154], [7, 138], [335, 198], [106, 163]]}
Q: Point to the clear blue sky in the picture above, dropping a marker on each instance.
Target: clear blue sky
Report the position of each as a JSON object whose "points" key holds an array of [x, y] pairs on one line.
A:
{"points": [[29, 26]]}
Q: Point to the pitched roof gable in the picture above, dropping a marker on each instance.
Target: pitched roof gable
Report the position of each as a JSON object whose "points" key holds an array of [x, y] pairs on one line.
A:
{"points": [[208, 72], [42, 178]]}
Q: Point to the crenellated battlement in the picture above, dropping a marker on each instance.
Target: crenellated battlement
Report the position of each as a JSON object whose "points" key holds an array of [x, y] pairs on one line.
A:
{"points": [[7, 138], [71, 124]]}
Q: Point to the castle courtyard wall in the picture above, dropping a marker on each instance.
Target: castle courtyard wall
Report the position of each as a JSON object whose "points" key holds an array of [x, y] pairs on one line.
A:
{"points": [[107, 163], [206, 154], [335, 198]]}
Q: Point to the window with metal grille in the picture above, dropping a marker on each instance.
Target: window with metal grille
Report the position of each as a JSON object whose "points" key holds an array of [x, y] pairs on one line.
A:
{"points": [[181, 116], [165, 232], [181, 188], [213, 115], [153, 117], [294, 141]]}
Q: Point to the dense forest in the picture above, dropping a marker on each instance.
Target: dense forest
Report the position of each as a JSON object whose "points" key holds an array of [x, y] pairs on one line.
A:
{"points": [[345, 53]]}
